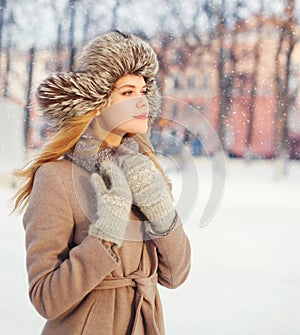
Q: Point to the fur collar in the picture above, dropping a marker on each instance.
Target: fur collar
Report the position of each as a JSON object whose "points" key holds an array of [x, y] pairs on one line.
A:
{"points": [[87, 155]]}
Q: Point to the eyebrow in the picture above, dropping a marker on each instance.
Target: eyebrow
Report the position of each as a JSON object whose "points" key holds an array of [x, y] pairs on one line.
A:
{"points": [[129, 85]]}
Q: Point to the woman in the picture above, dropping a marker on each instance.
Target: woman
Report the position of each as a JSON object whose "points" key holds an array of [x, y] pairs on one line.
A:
{"points": [[101, 230]]}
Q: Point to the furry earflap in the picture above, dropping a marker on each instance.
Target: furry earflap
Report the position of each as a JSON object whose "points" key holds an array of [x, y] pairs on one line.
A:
{"points": [[65, 95], [102, 62]]}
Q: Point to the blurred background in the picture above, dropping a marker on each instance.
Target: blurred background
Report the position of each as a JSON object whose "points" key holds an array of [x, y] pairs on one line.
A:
{"points": [[229, 72], [233, 61]]}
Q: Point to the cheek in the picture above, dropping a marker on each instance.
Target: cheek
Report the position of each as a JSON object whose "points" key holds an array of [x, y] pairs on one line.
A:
{"points": [[113, 119], [116, 99], [123, 112]]}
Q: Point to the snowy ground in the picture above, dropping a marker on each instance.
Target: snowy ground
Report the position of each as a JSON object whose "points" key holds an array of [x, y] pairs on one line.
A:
{"points": [[245, 276]]}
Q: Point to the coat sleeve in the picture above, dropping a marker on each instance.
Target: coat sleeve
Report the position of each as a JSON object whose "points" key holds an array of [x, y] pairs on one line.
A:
{"points": [[174, 257], [59, 276]]}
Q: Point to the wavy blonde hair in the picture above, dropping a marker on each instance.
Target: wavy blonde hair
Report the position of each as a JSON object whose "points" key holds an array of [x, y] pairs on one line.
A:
{"points": [[57, 146]]}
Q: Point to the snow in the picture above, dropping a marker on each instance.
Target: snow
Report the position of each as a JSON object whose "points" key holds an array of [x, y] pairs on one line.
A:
{"points": [[245, 261], [17, 315], [11, 136]]}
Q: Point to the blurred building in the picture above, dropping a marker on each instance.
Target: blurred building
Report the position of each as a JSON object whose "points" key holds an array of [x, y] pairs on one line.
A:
{"points": [[195, 86], [190, 84]]}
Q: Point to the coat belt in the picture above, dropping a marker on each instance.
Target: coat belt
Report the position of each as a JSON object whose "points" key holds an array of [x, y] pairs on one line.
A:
{"points": [[144, 299]]}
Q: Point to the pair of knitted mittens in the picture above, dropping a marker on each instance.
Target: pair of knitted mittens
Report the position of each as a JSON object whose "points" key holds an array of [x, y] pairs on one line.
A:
{"points": [[131, 178]]}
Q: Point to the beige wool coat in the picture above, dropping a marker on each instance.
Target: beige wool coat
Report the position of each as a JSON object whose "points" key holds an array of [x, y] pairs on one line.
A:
{"points": [[74, 282]]}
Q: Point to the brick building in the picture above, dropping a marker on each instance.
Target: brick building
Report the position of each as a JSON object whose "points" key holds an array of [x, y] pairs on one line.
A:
{"points": [[195, 88]]}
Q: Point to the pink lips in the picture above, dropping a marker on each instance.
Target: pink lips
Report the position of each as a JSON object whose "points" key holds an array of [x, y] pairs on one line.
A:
{"points": [[141, 116]]}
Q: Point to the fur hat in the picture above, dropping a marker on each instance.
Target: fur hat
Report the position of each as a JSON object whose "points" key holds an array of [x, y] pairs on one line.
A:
{"points": [[102, 62]]}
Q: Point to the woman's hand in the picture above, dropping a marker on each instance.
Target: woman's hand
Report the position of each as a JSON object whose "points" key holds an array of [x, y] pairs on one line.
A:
{"points": [[114, 200], [149, 188]]}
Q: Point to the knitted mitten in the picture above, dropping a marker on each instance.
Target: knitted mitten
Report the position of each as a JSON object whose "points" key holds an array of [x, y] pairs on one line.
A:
{"points": [[114, 202], [127, 149], [149, 188]]}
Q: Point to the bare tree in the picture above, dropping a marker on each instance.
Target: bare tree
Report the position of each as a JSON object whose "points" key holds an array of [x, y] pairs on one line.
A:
{"points": [[71, 42], [254, 83], [226, 66], [182, 41], [286, 44], [9, 25], [2, 12], [89, 7], [59, 44], [27, 111]]}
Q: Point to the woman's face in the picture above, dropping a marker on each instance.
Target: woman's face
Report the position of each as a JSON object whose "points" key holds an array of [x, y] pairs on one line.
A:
{"points": [[129, 108]]}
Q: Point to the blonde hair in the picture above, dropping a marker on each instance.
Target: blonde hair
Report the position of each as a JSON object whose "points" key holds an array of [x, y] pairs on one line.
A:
{"points": [[61, 142], [58, 145]]}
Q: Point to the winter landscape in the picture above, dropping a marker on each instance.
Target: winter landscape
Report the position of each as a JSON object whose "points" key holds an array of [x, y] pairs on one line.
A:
{"points": [[229, 73], [245, 261]]}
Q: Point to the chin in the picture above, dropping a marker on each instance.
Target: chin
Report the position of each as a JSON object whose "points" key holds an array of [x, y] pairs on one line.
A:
{"points": [[141, 130], [136, 127], [138, 130]]}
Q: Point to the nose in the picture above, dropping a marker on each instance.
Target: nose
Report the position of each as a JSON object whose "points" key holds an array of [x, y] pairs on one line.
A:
{"points": [[141, 102]]}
